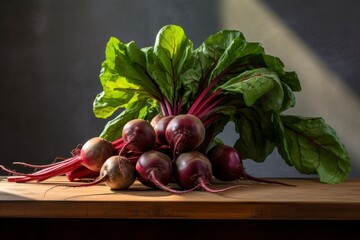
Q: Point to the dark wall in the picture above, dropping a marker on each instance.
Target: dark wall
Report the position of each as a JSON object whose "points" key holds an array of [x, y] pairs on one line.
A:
{"points": [[331, 29], [51, 52]]}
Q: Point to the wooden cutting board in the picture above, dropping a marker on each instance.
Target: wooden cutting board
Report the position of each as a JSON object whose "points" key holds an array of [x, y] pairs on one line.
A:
{"points": [[310, 199]]}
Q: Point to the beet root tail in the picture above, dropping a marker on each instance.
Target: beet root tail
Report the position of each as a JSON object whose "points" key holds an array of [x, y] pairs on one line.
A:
{"points": [[205, 186], [88, 184], [42, 166], [249, 177], [161, 186], [177, 146]]}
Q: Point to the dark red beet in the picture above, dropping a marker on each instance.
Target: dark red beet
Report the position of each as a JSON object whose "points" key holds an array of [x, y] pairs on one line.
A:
{"points": [[185, 133], [160, 129], [193, 170], [154, 169], [156, 162], [228, 166], [139, 136], [226, 162]]}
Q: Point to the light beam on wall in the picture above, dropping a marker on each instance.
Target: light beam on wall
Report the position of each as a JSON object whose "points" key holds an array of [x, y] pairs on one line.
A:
{"points": [[323, 92]]}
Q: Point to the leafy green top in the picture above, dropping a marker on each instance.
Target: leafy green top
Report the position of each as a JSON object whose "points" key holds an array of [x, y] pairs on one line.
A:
{"points": [[225, 79]]}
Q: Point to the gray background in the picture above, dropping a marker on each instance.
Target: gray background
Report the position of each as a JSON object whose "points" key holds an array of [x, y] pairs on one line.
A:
{"points": [[51, 52]]}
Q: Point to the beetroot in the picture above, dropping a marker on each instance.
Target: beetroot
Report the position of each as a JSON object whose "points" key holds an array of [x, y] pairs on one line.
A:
{"points": [[117, 172], [139, 136], [185, 133], [193, 170], [94, 153], [154, 164], [160, 129], [154, 169], [228, 166], [155, 120], [227, 163]]}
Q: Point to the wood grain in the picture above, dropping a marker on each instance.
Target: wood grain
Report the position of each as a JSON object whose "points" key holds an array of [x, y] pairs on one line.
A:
{"points": [[310, 199]]}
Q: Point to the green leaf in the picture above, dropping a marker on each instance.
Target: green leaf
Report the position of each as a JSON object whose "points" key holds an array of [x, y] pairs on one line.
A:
{"points": [[289, 100], [172, 47], [166, 60], [227, 54], [123, 77], [104, 105], [149, 111], [253, 142], [238, 49], [126, 63], [292, 80], [257, 83], [190, 84], [213, 48], [274, 63], [289, 78], [313, 147]]}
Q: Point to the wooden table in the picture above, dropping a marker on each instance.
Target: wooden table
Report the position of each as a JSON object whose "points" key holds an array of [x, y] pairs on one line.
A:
{"points": [[310, 202]]}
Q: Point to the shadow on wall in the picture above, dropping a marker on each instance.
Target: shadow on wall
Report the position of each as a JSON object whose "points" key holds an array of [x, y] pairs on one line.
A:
{"points": [[332, 32]]}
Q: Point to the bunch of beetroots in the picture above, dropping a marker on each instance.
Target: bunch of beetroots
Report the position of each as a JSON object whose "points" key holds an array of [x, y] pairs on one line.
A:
{"points": [[155, 153]]}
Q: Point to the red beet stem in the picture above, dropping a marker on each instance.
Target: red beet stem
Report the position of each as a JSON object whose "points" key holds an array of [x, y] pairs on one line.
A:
{"points": [[124, 147], [118, 144], [133, 158], [118, 141], [46, 173], [81, 173]]}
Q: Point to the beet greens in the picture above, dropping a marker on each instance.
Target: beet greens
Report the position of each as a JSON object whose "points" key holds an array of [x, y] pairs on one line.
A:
{"points": [[225, 79]]}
